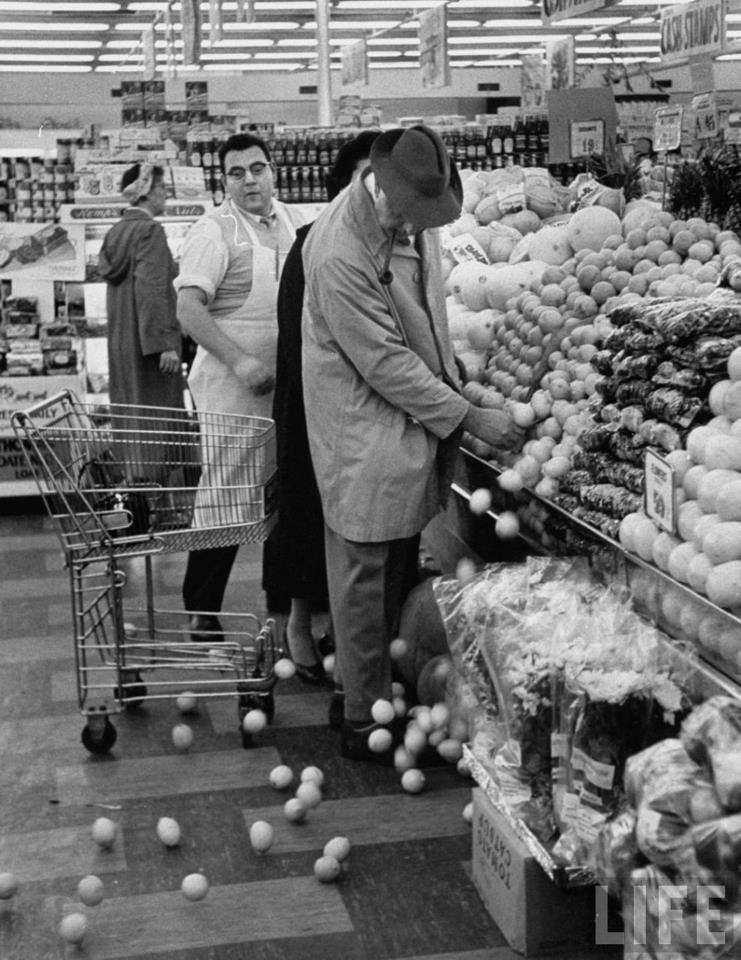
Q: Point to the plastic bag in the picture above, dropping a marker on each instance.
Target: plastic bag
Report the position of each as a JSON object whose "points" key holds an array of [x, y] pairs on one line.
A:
{"points": [[711, 734]]}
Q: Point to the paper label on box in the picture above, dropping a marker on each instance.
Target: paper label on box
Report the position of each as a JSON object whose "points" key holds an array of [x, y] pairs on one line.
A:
{"points": [[511, 198], [465, 248], [588, 823]]}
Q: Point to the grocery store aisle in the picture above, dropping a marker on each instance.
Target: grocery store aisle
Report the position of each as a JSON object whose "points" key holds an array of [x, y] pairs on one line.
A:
{"points": [[406, 891]]}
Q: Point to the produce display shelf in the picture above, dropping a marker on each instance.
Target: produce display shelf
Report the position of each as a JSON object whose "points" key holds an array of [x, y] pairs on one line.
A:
{"points": [[479, 472]]}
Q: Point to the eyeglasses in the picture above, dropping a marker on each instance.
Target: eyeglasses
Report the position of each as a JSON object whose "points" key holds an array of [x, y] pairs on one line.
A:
{"points": [[257, 169]]}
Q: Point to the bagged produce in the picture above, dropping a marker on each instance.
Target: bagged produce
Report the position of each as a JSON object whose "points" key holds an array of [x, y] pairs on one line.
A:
{"points": [[717, 845], [711, 735]]}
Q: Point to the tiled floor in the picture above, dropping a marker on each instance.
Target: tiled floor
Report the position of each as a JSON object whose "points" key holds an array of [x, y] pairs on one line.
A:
{"points": [[406, 891]]}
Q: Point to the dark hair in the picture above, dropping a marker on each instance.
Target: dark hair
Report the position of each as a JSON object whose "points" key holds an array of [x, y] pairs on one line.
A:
{"points": [[132, 175], [241, 141], [348, 156]]}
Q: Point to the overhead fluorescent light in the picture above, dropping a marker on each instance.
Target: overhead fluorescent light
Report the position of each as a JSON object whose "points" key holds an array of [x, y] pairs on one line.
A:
{"points": [[507, 38], [638, 35], [6, 26], [298, 42], [382, 53], [282, 56], [46, 57], [360, 25], [589, 22], [497, 63], [389, 41], [258, 26], [42, 68], [53, 44], [489, 4], [486, 52], [6, 6], [386, 4], [401, 65]]}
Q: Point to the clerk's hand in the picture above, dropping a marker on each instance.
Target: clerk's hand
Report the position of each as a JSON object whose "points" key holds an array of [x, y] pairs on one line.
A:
{"points": [[169, 361], [495, 427], [258, 377]]}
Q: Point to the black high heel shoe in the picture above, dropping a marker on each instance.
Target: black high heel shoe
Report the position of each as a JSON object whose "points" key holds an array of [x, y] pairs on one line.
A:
{"points": [[312, 674]]}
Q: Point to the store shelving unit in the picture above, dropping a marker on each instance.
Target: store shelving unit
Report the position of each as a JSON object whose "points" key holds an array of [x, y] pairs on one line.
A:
{"points": [[609, 560]]}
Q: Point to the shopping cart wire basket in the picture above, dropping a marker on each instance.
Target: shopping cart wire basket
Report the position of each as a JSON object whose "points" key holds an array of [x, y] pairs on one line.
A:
{"points": [[122, 484]]}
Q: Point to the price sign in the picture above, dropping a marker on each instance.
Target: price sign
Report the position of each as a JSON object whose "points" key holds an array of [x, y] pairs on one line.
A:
{"points": [[587, 138], [660, 492], [707, 124], [667, 128], [732, 133]]}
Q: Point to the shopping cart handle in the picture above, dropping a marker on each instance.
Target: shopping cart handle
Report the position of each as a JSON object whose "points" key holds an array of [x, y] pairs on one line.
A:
{"points": [[28, 413]]}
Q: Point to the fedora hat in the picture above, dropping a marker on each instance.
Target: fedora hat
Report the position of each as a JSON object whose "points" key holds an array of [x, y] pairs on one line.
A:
{"points": [[412, 167]]}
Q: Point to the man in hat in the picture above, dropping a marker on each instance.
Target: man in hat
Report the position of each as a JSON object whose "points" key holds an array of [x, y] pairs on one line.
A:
{"points": [[383, 407]]}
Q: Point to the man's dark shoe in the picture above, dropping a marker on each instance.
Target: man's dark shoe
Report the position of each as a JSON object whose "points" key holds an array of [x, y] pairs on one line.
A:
{"points": [[205, 628], [354, 744]]}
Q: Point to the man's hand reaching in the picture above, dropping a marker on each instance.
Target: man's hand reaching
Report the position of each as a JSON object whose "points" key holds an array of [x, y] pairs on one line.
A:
{"points": [[495, 427]]}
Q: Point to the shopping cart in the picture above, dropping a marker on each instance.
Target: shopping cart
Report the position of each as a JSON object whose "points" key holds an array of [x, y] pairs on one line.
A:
{"points": [[123, 484]]}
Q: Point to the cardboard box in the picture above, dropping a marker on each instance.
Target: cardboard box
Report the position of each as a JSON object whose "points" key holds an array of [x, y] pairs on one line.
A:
{"points": [[534, 915]]}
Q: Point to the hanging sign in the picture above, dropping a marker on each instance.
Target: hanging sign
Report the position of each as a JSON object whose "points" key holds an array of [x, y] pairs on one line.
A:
{"points": [[707, 124], [587, 138], [660, 492], [554, 10], [355, 63], [691, 29], [532, 82], [433, 47], [732, 132], [701, 74], [667, 128], [559, 60]]}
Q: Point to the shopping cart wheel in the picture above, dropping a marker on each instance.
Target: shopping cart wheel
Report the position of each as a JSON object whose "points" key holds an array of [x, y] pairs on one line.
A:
{"points": [[257, 701], [131, 689], [98, 737]]}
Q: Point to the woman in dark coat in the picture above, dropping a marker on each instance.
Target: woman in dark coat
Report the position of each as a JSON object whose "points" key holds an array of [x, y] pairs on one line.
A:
{"points": [[144, 337], [294, 573]]}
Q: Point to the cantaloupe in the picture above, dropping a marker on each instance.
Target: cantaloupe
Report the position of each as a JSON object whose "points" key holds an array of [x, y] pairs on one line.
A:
{"points": [[732, 400], [728, 501], [691, 480], [703, 526], [734, 364], [698, 572], [680, 559], [687, 516], [590, 227], [723, 543], [710, 486], [717, 395], [551, 245], [723, 452], [626, 533], [696, 442], [680, 463], [473, 287], [663, 546], [502, 284], [724, 584], [644, 534]]}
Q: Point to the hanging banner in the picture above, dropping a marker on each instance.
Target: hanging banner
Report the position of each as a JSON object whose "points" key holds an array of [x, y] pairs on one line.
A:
{"points": [[554, 10], [148, 54], [433, 47], [355, 63], [170, 61], [532, 83], [217, 26], [559, 60], [240, 11], [191, 14], [692, 29], [707, 123]]}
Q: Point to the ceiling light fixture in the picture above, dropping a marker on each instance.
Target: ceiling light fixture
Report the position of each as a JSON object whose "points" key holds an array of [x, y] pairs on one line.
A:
{"points": [[16, 26], [54, 44], [43, 68]]}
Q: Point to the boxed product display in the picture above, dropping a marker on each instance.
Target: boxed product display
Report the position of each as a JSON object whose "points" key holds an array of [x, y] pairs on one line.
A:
{"points": [[534, 916]]}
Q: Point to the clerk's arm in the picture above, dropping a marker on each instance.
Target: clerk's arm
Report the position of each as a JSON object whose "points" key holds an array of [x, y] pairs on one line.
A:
{"points": [[196, 321]]}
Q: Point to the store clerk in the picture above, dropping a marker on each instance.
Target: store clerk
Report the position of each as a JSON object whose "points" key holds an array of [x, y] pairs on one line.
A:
{"points": [[227, 290]]}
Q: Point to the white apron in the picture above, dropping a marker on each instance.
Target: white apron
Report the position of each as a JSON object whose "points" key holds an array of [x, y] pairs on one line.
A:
{"points": [[230, 490]]}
